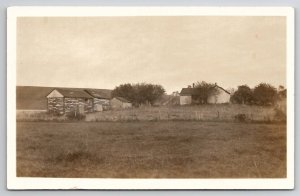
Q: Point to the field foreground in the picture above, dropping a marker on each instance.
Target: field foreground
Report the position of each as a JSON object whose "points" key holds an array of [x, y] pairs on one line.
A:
{"points": [[163, 149]]}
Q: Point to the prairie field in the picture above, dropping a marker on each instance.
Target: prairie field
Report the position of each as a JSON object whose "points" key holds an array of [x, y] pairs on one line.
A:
{"points": [[158, 149], [212, 112]]}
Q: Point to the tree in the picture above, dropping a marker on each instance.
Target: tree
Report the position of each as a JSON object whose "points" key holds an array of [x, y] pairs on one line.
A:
{"points": [[203, 90], [243, 95], [265, 94], [124, 90], [140, 93]]}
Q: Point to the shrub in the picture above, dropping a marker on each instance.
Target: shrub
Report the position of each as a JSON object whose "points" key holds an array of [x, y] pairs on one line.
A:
{"points": [[265, 94], [240, 117], [243, 95]]}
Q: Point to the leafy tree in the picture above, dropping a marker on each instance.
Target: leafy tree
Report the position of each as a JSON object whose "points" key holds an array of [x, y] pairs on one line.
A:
{"points": [[203, 90], [124, 90], [140, 93], [265, 94], [243, 95]]}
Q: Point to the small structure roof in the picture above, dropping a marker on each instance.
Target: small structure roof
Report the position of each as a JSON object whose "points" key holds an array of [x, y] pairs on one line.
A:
{"points": [[100, 93], [122, 99]]}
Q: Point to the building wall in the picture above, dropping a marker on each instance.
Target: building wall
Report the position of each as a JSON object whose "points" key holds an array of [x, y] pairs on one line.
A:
{"points": [[127, 105], [101, 104], [117, 104], [222, 97], [185, 100], [55, 105], [80, 105]]}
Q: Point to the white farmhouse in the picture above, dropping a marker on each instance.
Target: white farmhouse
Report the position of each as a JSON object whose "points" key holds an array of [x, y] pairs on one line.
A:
{"points": [[189, 96]]}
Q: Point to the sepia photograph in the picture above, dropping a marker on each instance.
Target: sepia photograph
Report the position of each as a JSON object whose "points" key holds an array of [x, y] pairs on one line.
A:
{"points": [[179, 97]]}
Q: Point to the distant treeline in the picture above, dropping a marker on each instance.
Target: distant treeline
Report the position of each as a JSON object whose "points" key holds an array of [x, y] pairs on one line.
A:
{"points": [[262, 94], [145, 93]]}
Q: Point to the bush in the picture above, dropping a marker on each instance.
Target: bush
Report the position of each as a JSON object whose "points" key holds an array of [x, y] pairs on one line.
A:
{"points": [[240, 117], [243, 95], [265, 94]]}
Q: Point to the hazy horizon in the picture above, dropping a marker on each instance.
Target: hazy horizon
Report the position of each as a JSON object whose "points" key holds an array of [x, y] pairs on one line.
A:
{"points": [[173, 51]]}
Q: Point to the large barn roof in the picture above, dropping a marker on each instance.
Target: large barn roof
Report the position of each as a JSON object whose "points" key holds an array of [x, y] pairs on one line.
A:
{"points": [[71, 93]]}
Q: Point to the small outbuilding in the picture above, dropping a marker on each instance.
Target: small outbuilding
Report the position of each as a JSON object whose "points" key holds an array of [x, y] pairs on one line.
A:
{"points": [[120, 103]]}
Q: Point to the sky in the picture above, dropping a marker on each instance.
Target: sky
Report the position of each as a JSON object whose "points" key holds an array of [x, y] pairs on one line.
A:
{"points": [[174, 51]]}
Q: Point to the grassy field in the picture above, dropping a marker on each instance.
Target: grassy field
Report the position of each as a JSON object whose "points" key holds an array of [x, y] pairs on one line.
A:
{"points": [[163, 149], [219, 112], [210, 112]]}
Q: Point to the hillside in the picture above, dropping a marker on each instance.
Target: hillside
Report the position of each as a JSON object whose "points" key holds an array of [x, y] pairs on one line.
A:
{"points": [[34, 98]]}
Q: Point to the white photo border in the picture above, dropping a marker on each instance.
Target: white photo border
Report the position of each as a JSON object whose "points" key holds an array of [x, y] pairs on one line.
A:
{"points": [[14, 182]]}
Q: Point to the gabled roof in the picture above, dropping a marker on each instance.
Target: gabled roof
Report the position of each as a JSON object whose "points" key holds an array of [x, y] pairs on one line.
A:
{"points": [[100, 93], [122, 99], [188, 91], [222, 89], [193, 91], [71, 93]]}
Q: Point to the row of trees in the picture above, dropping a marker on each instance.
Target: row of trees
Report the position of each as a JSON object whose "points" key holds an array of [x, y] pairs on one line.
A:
{"points": [[262, 94], [140, 93], [145, 93]]}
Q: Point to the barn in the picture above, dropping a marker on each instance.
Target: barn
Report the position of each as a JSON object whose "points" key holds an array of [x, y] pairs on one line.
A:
{"points": [[120, 103], [66, 101], [189, 96]]}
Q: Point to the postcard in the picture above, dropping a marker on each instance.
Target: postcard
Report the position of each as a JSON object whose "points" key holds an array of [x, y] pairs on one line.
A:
{"points": [[150, 98]]}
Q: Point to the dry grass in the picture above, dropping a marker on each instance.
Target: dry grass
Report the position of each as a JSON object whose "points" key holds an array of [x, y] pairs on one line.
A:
{"points": [[221, 112], [164, 149], [213, 112]]}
